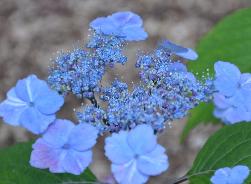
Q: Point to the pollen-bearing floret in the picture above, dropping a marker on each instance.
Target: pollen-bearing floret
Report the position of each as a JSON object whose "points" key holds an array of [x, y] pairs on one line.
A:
{"points": [[133, 117]]}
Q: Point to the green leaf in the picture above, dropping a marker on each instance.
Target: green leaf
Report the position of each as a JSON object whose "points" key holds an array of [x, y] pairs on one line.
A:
{"points": [[228, 147], [203, 113], [229, 40], [15, 169]]}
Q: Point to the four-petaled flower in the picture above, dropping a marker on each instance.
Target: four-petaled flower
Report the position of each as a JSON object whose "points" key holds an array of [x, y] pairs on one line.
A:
{"points": [[233, 97], [226, 175], [135, 155], [31, 104], [123, 24], [64, 147]]}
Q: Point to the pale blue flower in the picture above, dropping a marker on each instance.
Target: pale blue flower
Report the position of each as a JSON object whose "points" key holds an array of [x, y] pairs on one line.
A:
{"points": [[64, 147], [123, 24], [233, 97], [135, 155], [31, 104], [226, 175], [178, 50]]}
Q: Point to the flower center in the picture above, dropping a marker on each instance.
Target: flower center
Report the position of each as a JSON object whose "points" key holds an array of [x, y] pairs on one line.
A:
{"points": [[66, 146]]}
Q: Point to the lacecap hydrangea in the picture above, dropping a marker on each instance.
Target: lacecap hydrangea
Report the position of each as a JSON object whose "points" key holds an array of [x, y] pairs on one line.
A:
{"points": [[132, 118]]}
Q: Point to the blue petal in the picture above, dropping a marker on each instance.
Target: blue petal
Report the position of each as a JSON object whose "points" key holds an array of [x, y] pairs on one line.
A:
{"points": [[154, 162], [227, 78], [220, 101], [238, 174], [49, 101], [128, 173], [83, 137], [221, 176], [34, 121], [117, 148], [58, 133], [28, 89], [177, 67], [104, 25], [76, 162], [126, 19], [134, 33], [12, 108], [44, 156], [190, 54], [139, 136], [178, 50], [232, 115]]}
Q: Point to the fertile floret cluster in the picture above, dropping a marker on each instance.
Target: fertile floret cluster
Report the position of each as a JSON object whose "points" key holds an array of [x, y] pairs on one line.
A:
{"points": [[134, 118]]}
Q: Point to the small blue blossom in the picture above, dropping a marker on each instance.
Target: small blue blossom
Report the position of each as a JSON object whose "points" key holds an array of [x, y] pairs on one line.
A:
{"points": [[135, 155], [122, 24], [233, 93], [31, 104], [71, 73], [226, 175], [64, 148], [94, 116], [179, 89], [178, 50]]}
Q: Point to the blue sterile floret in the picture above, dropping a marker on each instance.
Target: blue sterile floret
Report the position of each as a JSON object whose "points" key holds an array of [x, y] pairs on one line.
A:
{"points": [[235, 175], [135, 155], [64, 147], [233, 93], [127, 25], [31, 104]]}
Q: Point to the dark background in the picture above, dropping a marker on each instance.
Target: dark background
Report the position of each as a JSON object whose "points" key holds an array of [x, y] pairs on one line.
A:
{"points": [[32, 31]]}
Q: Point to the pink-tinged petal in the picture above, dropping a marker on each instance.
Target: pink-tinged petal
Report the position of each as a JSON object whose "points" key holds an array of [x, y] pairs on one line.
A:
{"points": [[58, 133], [117, 148], [154, 162], [44, 156], [35, 121], [142, 139], [83, 137], [128, 173], [76, 162], [12, 108]]}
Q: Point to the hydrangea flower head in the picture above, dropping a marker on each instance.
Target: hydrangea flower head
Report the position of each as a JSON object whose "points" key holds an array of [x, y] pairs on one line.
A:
{"points": [[31, 104], [178, 50], [233, 93], [226, 175], [122, 24], [135, 155], [64, 147]]}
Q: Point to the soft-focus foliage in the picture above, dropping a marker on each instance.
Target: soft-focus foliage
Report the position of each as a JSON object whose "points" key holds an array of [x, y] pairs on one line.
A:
{"points": [[228, 147], [227, 41], [14, 168]]}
